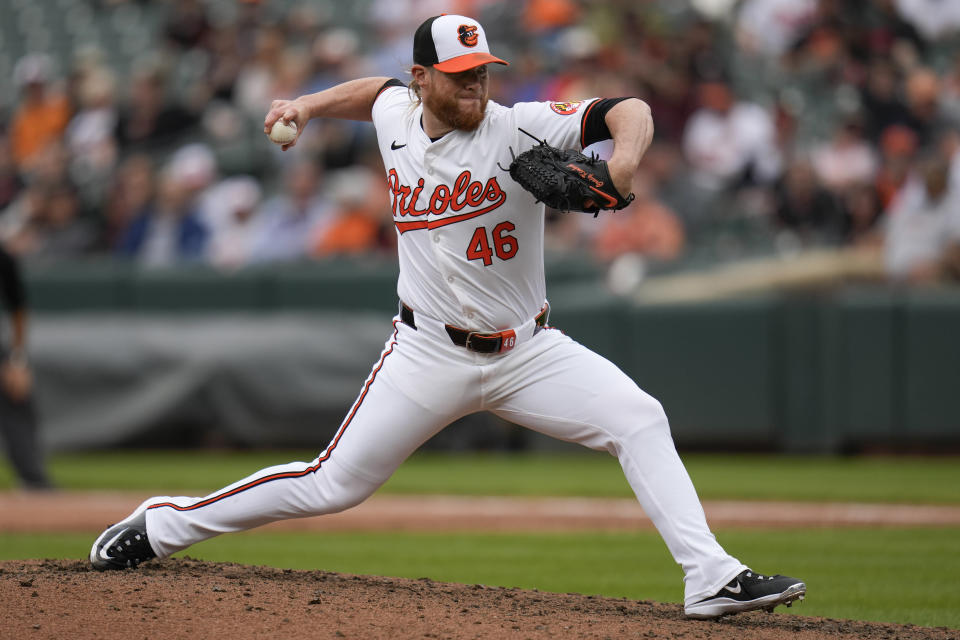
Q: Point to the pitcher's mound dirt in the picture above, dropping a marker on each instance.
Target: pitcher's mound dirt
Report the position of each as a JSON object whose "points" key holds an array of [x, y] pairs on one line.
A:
{"points": [[184, 598]]}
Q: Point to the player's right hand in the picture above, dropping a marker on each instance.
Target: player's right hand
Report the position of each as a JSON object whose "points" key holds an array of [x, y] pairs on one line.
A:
{"points": [[288, 111]]}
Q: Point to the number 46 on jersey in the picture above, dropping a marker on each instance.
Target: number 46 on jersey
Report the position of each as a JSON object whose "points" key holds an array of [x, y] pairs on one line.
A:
{"points": [[504, 245]]}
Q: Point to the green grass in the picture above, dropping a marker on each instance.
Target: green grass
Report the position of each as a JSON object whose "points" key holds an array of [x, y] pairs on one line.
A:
{"points": [[934, 480], [894, 575], [889, 575]]}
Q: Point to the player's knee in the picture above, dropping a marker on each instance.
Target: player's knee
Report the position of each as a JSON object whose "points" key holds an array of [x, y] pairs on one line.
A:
{"points": [[646, 417], [338, 490], [642, 408], [658, 417], [636, 417], [345, 499]]}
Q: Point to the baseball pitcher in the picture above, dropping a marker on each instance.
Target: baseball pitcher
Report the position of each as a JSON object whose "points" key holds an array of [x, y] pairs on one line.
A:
{"points": [[467, 180]]}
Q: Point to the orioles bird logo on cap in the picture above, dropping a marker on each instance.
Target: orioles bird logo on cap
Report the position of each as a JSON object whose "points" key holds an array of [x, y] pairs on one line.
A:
{"points": [[467, 34]]}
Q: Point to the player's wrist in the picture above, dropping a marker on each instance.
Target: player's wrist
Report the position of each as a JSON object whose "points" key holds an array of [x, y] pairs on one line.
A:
{"points": [[621, 174], [304, 110]]}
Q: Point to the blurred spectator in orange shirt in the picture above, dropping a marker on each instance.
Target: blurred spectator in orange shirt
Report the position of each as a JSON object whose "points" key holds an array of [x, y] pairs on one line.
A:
{"points": [[647, 227], [359, 223], [42, 115], [547, 15]]}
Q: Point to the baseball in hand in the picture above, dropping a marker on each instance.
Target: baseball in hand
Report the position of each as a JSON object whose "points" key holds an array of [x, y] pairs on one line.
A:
{"points": [[283, 133]]}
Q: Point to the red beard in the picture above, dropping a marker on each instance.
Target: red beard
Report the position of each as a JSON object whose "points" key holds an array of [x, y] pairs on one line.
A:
{"points": [[447, 110]]}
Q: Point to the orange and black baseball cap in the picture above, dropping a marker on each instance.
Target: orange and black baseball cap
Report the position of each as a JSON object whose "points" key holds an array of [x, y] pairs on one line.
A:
{"points": [[451, 43]]}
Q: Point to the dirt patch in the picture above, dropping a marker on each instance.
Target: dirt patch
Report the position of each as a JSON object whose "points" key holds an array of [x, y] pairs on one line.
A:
{"points": [[185, 598], [92, 511]]}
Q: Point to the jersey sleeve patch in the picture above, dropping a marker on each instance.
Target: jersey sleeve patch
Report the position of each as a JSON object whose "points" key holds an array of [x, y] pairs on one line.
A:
{"points": [[566, 108]]}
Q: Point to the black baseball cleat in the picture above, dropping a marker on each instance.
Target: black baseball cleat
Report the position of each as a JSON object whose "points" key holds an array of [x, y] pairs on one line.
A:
{"points": [[123, 545], [747, 592]]}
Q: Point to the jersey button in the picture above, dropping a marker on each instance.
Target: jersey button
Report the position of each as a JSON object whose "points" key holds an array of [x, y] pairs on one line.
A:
{"points": [[450, 279], [436, 237]]}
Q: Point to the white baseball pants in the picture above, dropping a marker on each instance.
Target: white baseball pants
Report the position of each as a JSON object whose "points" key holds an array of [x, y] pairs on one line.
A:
{"points": [[423, 382]]}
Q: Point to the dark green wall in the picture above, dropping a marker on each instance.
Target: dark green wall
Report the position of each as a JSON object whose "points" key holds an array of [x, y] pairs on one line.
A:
{"points": [[848, 369]]}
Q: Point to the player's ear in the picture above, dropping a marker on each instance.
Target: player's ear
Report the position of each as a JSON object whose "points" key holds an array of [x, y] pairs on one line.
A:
{"points": [[418, 72]]}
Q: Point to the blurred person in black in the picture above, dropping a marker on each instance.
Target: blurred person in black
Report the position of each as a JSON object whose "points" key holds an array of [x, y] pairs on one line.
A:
{"points": [[130, 194], [59, 229], [861, 214], [803, 206], [10, 181], [187, 25], [147, 121], [18, 423]]}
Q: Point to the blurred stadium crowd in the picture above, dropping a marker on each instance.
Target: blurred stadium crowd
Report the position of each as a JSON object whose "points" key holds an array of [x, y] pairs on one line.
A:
{"points": [[133, 128]]}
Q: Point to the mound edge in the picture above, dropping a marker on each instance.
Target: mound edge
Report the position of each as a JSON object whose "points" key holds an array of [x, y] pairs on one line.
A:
{"points": [[186, 598]]}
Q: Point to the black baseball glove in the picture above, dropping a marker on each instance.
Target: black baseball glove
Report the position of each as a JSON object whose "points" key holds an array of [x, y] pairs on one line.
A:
{"points": [[567, 180]]}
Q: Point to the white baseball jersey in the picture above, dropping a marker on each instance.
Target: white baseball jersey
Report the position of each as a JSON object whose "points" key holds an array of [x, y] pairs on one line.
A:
{"points": [[470, 238]]}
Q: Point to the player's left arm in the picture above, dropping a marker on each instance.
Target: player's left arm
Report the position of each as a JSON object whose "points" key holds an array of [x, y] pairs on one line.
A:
{"points": [[631, 128]]}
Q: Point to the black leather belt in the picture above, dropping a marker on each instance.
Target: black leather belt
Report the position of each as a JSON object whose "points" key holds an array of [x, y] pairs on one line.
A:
{"points": [[475, 341]]}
